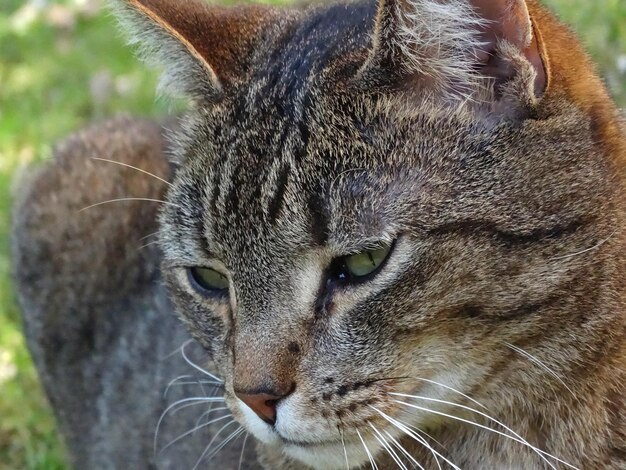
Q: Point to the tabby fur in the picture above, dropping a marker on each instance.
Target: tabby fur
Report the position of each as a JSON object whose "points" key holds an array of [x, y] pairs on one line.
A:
{"points": [[473, 135]]}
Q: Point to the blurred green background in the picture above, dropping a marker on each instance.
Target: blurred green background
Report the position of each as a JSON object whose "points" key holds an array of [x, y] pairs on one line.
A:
{"points": [[63, 64]]}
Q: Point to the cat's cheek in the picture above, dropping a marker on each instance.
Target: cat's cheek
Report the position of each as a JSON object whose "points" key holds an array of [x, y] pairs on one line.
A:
{"points": [[209, 323]]}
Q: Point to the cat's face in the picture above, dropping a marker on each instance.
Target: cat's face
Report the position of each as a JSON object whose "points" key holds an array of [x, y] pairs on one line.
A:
{"points": [[474, 245], [339, 243]]}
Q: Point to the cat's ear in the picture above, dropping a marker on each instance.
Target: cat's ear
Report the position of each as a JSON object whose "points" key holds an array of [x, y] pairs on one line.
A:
{"points": [[203, 48], [456, 46]]}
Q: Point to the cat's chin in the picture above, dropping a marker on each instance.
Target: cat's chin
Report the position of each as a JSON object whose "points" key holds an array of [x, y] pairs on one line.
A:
{"points": [[331, 455]]}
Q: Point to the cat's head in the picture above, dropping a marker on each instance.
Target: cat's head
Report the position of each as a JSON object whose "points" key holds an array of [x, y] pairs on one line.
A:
{"points": [[371, 201]]}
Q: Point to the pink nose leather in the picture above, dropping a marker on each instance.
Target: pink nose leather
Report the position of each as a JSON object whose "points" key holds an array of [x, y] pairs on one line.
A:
{"points": [[263, 404]]}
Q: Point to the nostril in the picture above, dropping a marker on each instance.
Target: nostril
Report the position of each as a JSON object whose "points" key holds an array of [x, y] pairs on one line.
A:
{"points": [[263, 405]]}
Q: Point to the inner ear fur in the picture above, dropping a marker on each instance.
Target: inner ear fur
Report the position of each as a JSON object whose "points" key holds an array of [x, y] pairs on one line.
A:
{"points": [[203, 47], [453, 45], [509, 20]]}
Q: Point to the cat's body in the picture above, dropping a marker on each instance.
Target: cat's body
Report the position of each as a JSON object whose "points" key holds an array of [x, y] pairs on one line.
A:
{"points": [[492, 173], [102, 332]]}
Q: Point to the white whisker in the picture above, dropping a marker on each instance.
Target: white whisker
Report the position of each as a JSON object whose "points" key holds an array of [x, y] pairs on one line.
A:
{"points": [[243, 448], [516, 437], [234, 435], [196, 382], [146, 245], [134, 168], [176, 351], [422, 432], [447, 387], [367, 451], [425, 443], [405, 429], [221, 445], [345, 451], [123, 199], [582, 252], [173, 381], [150, 235], [379, 437], [187, 405], [208, 447], [194, 365], [206, 413], [203, 390], [191, 401], [532, 358], [191, 431], [405, 452], [178, 382], [209, 411]]}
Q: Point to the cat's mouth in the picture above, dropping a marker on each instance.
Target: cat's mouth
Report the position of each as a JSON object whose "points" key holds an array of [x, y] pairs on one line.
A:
{"points": [[310, 442], [272, 434], [307, 444], [331, 454]]}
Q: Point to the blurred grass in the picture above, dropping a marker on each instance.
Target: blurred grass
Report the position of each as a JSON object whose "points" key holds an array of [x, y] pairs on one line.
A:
{"points": [[63, 64]]}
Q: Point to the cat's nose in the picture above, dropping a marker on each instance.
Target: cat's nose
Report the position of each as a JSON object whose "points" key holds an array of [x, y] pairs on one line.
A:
{"points": [[263, 404]]}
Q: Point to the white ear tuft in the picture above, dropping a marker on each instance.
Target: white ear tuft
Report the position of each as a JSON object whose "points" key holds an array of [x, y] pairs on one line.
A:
{"points": [[453, 50]]}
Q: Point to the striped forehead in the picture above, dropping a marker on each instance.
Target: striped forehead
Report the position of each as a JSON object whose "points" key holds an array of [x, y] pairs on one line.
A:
{"points": [[257, 189], [259, 177]]}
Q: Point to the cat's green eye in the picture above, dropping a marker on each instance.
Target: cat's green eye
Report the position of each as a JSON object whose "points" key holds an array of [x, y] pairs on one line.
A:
{"points": [[208, 280], [367, 262]]}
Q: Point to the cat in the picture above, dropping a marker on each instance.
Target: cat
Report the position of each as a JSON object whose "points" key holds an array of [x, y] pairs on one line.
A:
{"points": [[393, 230]]}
